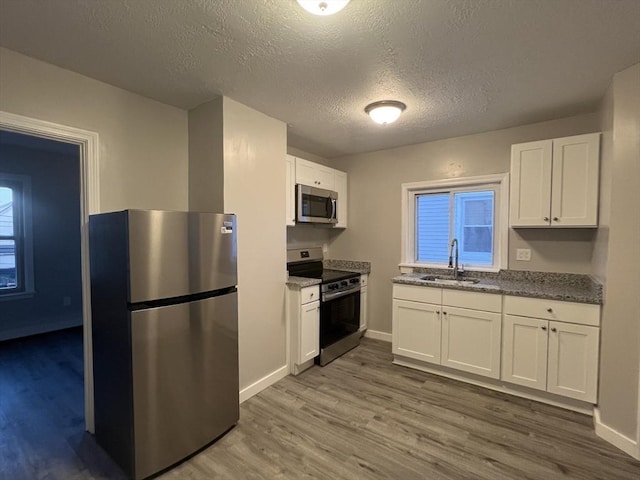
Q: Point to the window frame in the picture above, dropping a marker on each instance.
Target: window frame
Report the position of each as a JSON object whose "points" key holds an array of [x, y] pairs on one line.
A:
{"points": [[499, 182], [23, 237]]}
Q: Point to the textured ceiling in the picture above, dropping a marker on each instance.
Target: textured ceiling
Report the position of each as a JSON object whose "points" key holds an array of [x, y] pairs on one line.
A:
{"points": [[460, 66]]}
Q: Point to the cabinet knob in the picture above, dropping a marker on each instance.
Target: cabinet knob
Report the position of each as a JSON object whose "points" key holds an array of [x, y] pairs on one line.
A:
{"points": [[550, 310], [544, 328], [556, 219], [554, 330], [444, 313], [437, 311], [312, 295], [546, 219]]}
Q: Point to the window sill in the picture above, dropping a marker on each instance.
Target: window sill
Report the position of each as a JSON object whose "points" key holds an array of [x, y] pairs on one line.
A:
{"points": [[408, 267], [16, 296]]}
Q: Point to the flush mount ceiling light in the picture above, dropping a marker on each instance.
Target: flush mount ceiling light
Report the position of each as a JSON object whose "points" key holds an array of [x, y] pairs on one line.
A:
{"points": [[385, 111], [323, 7]]}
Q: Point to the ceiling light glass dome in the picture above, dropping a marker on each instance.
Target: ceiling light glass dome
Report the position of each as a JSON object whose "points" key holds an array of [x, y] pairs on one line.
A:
{"points": [[385, 111], [323, 7]]}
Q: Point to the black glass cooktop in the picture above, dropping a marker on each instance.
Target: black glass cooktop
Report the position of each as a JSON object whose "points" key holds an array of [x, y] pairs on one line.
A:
{"points": [[315, 270]]}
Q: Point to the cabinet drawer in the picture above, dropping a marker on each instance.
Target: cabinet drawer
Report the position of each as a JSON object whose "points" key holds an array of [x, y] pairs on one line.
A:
{"points": [[364, 280], [417, 294], [571, 312], [309, 294], [489, 302]]}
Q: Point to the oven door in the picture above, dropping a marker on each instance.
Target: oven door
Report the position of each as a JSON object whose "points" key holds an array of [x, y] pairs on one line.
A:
{"points": [[339, 317], [316, 205]]}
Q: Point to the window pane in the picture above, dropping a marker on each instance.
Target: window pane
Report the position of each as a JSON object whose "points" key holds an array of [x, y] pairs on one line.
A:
{"points": [[474, 215], [6, 212], [8, 275], [432, 228]]}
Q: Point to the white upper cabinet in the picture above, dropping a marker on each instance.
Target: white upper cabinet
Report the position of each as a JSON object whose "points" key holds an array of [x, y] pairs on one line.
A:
{"points": [[290, 202], [341, 188], [314, 174], [554, 183]]}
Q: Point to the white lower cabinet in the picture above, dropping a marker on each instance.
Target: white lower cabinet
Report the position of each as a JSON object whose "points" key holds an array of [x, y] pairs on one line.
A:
{"points": [[364, 298], [552, 355], [427, 327], [309, 337], [303, 313], [546, 345], [471, 341], [416, 330]]}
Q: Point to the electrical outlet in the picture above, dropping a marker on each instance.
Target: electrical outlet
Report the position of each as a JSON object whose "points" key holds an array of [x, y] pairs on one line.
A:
{"points": [[523, 254], [66, 301]]}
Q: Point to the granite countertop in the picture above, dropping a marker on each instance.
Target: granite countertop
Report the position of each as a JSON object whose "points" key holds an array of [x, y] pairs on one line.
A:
{"points": [[302, 282], [345, 265], [553, 286]]}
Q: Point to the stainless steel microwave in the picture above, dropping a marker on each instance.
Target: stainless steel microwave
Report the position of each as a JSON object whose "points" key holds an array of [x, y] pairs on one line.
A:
{"points": [[316, 205]]}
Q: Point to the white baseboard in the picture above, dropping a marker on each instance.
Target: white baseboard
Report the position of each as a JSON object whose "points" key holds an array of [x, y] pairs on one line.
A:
{"points": [[614, 437], [256, 387], [39, 328], [376, 335]]}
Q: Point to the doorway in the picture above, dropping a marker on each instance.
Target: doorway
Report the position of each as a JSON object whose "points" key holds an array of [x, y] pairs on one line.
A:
{"points": [[87, 144]]}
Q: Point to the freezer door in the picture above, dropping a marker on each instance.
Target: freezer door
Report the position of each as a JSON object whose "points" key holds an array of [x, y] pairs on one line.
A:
{"points": [[185, 379], [172, 254]]}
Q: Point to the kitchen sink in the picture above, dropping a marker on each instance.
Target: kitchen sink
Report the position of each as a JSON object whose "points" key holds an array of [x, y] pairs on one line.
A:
{"points": [[449, 280]]}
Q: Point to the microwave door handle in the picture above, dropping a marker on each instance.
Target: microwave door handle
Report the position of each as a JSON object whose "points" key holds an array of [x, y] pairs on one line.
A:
{"points": [[333, 208]]}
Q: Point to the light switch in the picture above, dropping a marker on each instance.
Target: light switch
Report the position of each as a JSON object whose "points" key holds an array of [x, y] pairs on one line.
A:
{"points": [[523, 254]]}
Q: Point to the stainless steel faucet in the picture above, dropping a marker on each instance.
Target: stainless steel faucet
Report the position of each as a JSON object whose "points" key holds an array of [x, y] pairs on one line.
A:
{"points": [[454, 242]]}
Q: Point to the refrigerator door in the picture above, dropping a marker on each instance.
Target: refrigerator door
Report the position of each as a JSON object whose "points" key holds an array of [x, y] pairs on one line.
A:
{"points": [[185, 379], [172, 254]]}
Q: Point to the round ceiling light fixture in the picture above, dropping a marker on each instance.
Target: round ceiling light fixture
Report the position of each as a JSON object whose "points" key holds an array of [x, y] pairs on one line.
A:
{"points": [[323, 7], [385, 111]]}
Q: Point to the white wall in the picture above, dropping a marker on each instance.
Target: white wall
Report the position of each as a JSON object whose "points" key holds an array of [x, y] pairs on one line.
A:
{"points": [[254, 189], [143, 143], [374, 203], [620, 345]]}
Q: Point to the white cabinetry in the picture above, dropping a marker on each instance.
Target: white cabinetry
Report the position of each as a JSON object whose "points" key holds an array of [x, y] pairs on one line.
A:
{"points": [[364, 310], [304, 320], [314, 174], [341, 189], [552, 346], [290, 201], [554, 183], [446, 327]]}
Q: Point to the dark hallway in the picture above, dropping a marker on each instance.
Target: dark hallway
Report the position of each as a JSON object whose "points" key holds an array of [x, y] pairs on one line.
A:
{"points": [[42, 431]]}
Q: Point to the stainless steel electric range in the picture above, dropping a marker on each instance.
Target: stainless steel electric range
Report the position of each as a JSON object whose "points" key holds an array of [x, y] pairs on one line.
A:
{"points": [[339, 302]]}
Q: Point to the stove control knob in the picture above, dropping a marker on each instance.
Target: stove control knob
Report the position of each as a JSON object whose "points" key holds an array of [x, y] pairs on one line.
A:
{"points": [[332, 286], [354, 280], [344, 283]]}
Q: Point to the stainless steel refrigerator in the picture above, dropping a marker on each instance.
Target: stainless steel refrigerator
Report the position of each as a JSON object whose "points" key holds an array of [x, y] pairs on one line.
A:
{"points": [[165, 334]]}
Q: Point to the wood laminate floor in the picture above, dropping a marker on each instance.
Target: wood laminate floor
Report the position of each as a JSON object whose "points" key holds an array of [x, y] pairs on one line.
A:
{"points": [[358, 418]]}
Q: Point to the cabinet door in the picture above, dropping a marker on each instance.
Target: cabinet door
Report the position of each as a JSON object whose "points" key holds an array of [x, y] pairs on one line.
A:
{"points": [[524, 351], [309, 340], [290, 202], [341, 188], [471, 341], [416, 330], [574, 195], [363, 309], [573, 361], [530, 200], [314, 174]]}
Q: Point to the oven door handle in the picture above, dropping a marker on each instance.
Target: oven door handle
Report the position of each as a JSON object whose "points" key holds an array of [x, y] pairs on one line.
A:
{"points": [[326, 297]]}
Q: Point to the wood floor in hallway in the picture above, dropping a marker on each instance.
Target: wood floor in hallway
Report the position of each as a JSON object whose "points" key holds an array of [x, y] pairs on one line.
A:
{"points": [[358, 418]]}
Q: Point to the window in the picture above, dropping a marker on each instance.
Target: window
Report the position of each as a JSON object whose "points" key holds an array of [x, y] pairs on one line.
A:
{"points": [[16, 271], [469, 210]]}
